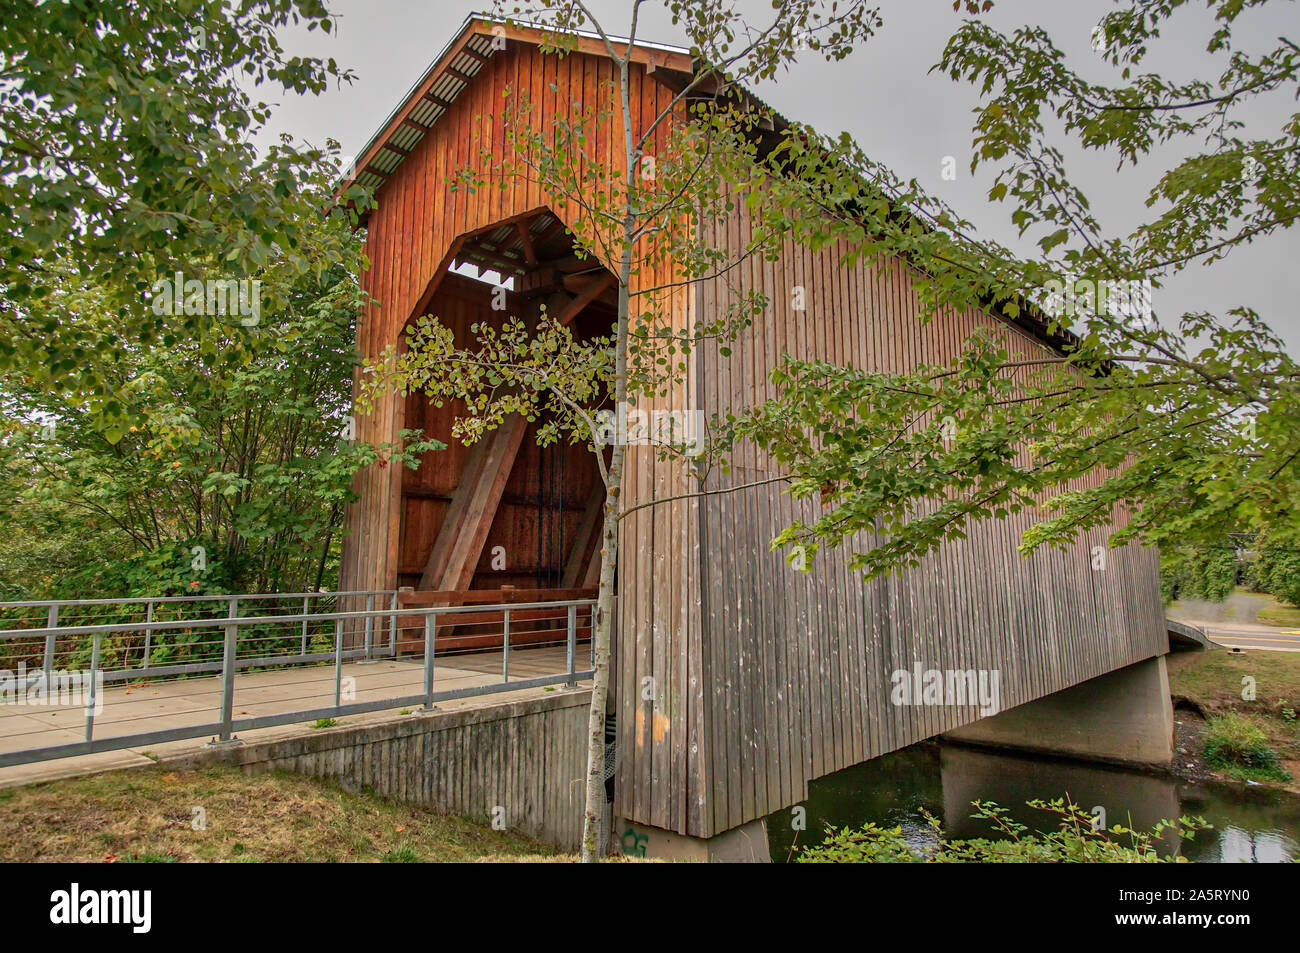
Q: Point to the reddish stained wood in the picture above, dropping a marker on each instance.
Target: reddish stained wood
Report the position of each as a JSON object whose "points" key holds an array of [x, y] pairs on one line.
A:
{"points": [[590, 294], [577, 566], [472, 530], [736, 642], [524, 227]]}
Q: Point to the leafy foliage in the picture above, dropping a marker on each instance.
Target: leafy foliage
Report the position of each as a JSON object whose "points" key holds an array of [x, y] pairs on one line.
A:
{"points": [[1236, 744], [1277, 570], [1076, 840], [1207, 573], [1169, 432], [126, 154], [239, 446]]}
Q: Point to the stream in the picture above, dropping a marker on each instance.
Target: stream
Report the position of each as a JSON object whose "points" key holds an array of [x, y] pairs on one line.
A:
{"points": [[1250, 824]]}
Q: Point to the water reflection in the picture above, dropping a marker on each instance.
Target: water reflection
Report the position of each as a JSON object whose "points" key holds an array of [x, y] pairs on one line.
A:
{"points": [[1249, 825]]}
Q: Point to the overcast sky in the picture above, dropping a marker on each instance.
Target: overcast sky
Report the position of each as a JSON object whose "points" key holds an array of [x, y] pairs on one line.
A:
{"points": [[883, 94]]}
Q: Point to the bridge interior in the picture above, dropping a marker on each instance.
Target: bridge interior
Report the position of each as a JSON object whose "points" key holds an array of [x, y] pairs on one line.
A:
{"points": [[505, 514]]}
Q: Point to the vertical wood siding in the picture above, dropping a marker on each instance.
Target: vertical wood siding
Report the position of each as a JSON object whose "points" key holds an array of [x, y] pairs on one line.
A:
{"points": [[798, 665], [737, 680], [411, 237]]}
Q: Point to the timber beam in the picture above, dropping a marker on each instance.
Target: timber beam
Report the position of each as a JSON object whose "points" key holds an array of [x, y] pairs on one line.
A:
{"points": [[464, 532], [589, 530]]}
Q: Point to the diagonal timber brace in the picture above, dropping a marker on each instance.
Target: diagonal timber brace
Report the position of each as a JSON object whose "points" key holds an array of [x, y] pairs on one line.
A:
{"points": [[465, 528]]}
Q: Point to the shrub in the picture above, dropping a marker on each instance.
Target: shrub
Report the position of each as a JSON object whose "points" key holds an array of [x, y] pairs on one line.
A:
{"points": [[1236, 745], [1074, 841]]}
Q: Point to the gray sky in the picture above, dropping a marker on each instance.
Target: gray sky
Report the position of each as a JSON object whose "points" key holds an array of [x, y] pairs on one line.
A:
{"points": [[884, 96]]}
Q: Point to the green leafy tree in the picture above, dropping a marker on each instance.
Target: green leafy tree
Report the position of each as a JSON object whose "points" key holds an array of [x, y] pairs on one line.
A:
{"points": [[236, 473], [126, 154], [1199, 573], [1186, 425], [1277, 570]]}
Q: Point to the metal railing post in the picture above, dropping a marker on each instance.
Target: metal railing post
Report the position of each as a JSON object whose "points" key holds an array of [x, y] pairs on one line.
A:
{"points": [[47, 663], [306, 610], [229, 651], [148, 634], [570, 644], [94, 667], [370, 624], [338, 661], [505, 654], [392, 626], [430, 635]]}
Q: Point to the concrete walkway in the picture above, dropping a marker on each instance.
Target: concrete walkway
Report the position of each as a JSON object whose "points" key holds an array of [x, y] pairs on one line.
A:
{"points": [[131, 708]]}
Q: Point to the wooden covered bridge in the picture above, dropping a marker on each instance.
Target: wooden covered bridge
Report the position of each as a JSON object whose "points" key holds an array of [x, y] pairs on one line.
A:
{"points": [[737, 680]]}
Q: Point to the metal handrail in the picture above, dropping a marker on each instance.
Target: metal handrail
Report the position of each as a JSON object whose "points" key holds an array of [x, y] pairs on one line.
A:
{"points": [[216, 621], [143, 600], [230, 663]]}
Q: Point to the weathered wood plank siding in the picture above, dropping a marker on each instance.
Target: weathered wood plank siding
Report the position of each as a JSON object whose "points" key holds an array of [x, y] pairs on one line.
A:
{"points": [[525, 758], [798, 665]]}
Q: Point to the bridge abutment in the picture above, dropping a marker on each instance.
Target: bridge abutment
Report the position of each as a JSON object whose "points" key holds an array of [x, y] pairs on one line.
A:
{"points": [[1124, 716], [518, 765]]}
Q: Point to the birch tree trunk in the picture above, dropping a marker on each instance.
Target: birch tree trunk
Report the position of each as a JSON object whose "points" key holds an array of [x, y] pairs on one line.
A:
{"points": [[592, 849]]}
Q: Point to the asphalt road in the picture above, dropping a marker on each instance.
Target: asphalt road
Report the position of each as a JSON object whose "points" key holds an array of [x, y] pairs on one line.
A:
{"points": [[1253, 636], [1232, 623]]}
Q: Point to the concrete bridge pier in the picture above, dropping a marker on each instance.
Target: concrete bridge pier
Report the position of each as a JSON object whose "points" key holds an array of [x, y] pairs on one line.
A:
{"points": [[1124, 717], [1136, 799], [746, 844]]}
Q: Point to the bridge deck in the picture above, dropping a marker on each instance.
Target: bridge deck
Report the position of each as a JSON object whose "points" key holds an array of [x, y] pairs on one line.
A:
{"points": [[134, 707]]}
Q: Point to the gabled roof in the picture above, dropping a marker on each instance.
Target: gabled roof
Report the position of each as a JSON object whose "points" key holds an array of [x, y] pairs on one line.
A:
{"points": [[472, 47], [452, 72]]}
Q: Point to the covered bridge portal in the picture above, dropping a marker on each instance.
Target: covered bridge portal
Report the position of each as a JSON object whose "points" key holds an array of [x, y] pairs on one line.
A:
{"points": [[737, 680]]}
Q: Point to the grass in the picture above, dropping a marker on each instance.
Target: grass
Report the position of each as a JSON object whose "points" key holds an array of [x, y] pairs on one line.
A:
{"points": [[1216, 680], [404, 854], [1213, 679], [146, 815], [1278, 613], [1237, 745]]}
